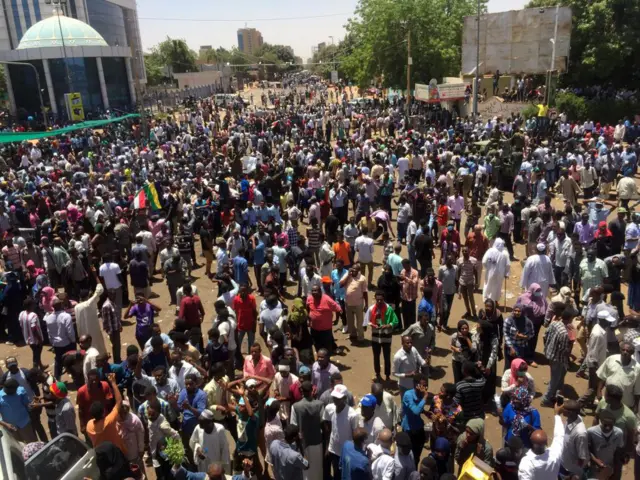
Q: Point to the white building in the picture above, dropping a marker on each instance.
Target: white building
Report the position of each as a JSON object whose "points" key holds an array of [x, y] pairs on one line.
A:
{"points": [[101, 57]]}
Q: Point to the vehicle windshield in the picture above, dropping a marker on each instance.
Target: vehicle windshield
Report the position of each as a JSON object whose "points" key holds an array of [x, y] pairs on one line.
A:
{"points": [[56, 458]]}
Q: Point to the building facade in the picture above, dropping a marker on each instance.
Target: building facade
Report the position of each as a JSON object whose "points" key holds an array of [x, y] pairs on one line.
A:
{"points": [[88, 46], [249, 40]]}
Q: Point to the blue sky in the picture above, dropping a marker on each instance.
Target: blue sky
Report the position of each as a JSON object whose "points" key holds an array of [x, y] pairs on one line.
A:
{"points": [[325, 18]]}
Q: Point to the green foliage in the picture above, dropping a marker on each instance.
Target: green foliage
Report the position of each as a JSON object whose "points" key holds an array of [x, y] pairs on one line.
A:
{"points": [[574, 106], [174, 451], [605, 41], [217, 55], [155, 70], [530, 111], [175, 54], [603, 111], [379, 35]]}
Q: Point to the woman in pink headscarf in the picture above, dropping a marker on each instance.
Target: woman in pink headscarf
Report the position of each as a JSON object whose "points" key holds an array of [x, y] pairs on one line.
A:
{"points": [[516, 376], [46, 300], [535, 307]]}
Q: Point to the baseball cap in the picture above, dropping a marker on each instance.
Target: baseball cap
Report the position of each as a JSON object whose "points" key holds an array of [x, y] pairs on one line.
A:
{"points": [[339, 391], [604, 315], [368, 401]]}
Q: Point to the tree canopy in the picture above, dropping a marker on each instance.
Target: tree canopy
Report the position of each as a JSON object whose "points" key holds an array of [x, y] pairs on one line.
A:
{"points": [[171, 54], [377, 38], [605, 41]]}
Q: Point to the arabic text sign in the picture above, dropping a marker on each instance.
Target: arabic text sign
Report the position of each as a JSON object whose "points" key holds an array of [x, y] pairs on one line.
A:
{"points": [[439, 93]]}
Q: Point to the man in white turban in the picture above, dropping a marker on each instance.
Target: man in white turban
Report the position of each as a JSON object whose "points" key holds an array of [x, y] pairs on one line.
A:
{"points": [[497, 267], [538, 269], [209, 443]]}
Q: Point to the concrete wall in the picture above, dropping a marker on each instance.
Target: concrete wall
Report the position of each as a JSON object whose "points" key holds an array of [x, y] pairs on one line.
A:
{"points": [[196, 79], [517, 41]]}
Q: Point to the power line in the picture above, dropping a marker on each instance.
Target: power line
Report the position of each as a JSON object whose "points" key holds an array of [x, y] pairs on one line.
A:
{"points": [[223, 20]]}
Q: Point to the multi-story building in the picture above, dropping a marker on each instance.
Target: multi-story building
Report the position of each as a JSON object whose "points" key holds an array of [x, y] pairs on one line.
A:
{"points": [[88, 46], [249, 40]]}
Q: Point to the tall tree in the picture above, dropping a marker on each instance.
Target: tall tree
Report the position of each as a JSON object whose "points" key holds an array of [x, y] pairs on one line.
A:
{"points": [[176, 54], [605, 41], [379, 33]]}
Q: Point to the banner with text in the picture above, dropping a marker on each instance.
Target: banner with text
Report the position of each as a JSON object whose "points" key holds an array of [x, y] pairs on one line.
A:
{"points": [[444, 92]]}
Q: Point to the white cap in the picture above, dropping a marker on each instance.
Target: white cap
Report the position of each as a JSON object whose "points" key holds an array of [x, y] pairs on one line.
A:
{"points": [[604, 315], [339, 391]]}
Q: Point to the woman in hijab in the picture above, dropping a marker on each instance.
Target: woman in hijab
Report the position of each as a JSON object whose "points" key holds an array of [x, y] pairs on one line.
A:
{"points": [[519, 418], [518, 375], [462, 348], [112, 463], [535, 307], [441, 453], [48, 294], [472, 442], [486, 344]]}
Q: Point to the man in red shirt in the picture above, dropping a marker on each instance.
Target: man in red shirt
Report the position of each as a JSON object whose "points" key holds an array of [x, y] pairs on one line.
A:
{"points": [[321, 309], [191, 309], [93, 391], [244, 304]]}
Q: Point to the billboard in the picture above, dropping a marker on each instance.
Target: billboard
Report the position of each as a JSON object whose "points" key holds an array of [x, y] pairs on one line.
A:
{"points": [[75, 109], [517, 42], [444, 92]]}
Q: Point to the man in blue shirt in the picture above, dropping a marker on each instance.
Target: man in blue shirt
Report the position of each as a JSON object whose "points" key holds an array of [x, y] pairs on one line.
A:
{"points": [[354, 463], [241, 268], [14, 410], [339, 292], [192, 401], [413, 402]]}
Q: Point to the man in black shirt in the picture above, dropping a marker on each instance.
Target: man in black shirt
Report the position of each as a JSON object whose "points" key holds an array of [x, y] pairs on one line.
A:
{"points": [[423, 244]]}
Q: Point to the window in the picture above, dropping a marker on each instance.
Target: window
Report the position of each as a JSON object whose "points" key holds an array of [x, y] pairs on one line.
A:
{"points": [[36, 9], [27, 13], [117, 82], [108, 20], [16, 19], [56, 458]]}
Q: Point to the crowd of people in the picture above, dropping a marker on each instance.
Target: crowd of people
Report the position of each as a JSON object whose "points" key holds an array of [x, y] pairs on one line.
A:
{"points": [[327, 228]]}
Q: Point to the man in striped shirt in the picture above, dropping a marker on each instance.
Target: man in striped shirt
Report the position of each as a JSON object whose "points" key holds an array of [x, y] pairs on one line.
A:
{"points": [[313, 239], [469, 392]]}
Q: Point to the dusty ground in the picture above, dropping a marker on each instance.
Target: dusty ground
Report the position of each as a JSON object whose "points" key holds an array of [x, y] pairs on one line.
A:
{"points": [[357, 365]]}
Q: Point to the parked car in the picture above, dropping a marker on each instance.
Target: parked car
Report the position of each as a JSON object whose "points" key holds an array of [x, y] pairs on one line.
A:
{"points": [[66, 457]]}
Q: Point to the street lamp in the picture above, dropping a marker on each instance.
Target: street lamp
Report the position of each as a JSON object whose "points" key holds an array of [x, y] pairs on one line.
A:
{"points": [[552, 68], [476, 80], [26, 64], [59, 9]]}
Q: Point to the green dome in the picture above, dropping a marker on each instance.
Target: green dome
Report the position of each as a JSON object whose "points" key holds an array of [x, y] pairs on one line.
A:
{"points": [[46, 33]]}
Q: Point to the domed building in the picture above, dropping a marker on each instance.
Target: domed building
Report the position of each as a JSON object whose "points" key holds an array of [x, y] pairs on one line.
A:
{"points": [[73, 57]]}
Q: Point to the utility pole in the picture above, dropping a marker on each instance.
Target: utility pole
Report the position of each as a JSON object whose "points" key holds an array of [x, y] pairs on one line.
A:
{"points": [[409, 62], [35, 70], [553, 57], [475, 86], [139, 98]]}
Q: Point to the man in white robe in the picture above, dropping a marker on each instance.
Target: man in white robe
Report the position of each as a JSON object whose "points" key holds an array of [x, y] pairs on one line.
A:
{"points": [[209, 443], [87, 319], [538, 269], [497, 266]]}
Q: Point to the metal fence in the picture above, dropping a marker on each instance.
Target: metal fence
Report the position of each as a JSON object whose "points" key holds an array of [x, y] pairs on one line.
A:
{"points": [[171, 98]]}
